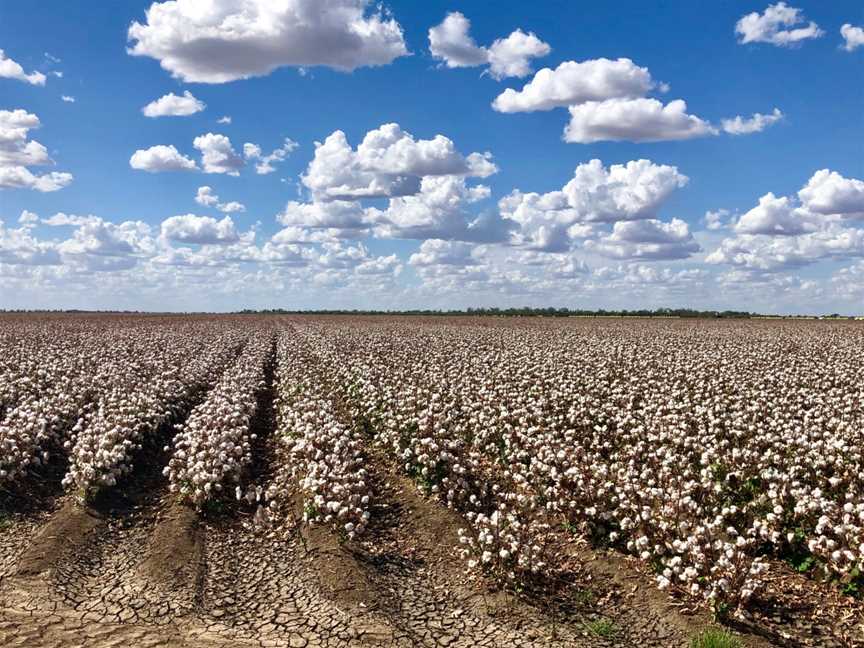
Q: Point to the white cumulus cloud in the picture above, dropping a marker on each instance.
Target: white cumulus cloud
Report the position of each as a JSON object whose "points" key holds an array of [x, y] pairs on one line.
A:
{"points": [[264, 164], [451, 43], [98, 245], [777, 26], [28, 218], [633, 120], [161, 158], [440, 252], [231, 207], [783, 232], [382, 265], [573, 83], [388, 162], [607, 102], [511, 56], [171, 105], [18, 152], [438, 210], [777, 254], [228, 40], [717, 220], [755, 124], [596, 194], [200, 230], [18, 246], [217, 154], [853, 37], [338, 214], [646, 240], [774, 216], [630, 191], [10, 69], [206, 197], [828, 192]]}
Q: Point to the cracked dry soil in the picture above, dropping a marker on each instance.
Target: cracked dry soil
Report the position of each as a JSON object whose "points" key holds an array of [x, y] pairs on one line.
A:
{"points": [[160, 576]]}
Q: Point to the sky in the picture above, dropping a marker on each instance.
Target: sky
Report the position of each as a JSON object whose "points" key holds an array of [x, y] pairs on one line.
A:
{"points": [[226, 154]]}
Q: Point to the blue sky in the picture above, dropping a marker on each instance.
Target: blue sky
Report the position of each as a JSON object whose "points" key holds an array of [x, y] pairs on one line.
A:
{"points": [[137, 238]]}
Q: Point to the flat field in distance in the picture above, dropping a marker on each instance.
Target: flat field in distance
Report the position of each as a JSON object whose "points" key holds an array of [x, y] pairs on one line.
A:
{"points": [[429, 481]]}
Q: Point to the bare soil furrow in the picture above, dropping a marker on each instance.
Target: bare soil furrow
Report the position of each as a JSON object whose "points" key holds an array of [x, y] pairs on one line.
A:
{"points": [[413, 553], [303, 590]]}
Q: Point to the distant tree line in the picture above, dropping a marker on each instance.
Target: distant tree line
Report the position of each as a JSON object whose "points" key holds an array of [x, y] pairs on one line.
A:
{"points": [[75, 311], [517, 312], [525, 311]]}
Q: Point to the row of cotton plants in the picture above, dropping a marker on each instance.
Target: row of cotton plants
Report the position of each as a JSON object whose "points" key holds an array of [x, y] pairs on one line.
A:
{"points": [[323, 452], [704, 450], [47, 384], [213, 449], [146, 389]]}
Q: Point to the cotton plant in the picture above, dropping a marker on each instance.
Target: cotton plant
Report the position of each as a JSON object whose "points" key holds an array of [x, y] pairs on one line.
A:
{"points": [[323, 451], [47, 383], [212, 450]]}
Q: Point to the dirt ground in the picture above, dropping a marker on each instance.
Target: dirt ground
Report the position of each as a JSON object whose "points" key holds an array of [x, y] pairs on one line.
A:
{"points": [[152, 572], [162, 578], [158, 575]]}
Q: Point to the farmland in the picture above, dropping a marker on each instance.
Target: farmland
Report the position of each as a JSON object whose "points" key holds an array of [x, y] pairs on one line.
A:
{"points": [[339, 481]]}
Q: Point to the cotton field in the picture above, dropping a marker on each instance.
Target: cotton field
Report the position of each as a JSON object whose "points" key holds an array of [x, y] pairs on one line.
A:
{"points": [[718, 462]]}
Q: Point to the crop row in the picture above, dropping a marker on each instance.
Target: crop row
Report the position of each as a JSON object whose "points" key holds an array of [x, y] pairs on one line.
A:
{"points": [[323, 452], [95, 392], [213, 449], [151, 391]]}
